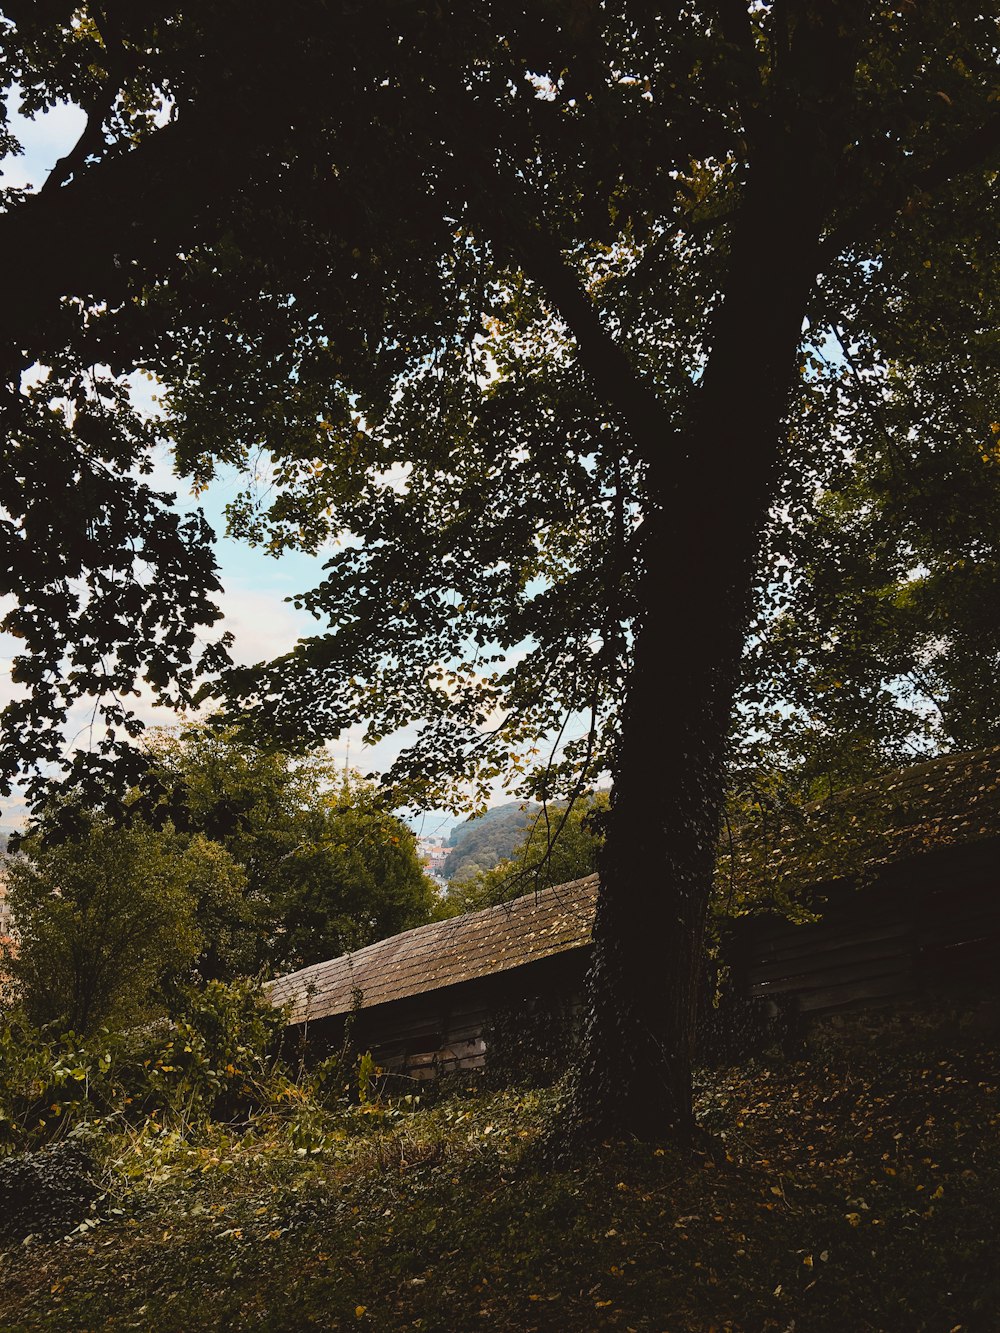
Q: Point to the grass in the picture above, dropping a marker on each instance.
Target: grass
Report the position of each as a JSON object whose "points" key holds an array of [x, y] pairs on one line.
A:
{"points": [[853, 1188]]}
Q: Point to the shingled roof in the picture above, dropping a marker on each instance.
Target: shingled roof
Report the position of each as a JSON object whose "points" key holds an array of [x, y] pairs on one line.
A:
{"points": [[444, 953], [944, 802]]}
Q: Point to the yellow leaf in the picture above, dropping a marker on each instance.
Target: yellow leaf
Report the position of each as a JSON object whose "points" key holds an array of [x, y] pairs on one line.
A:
{"points": [[359, 1310]]}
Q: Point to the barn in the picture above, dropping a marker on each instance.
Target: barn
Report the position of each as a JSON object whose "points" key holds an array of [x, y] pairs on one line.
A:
{"points": [[883, 892], [422, 1001]]}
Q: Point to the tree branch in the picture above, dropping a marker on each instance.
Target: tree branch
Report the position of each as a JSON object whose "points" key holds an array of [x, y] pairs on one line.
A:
{"points": [[88, 142], [91, 138], [518, 229], [521, 231], [976, 150]]}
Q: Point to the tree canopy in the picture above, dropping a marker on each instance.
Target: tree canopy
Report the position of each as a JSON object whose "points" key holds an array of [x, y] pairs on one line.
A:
{"points": [[531, 309], [233, 862], [327, 866], [104, 924]]}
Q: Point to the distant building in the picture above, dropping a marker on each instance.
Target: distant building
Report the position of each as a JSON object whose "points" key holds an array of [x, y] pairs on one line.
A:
{"points": [[433, 852]]}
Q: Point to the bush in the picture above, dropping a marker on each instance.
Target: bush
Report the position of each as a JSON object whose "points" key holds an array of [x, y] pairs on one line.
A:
{"points": [[45, 1193], [218, 1059]]}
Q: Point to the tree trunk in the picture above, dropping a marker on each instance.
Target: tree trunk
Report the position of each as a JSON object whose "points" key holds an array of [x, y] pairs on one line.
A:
{"points": [[701, 536]]}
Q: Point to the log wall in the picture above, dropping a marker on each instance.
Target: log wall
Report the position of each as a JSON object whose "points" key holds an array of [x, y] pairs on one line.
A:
{"points": [[921, 924]]}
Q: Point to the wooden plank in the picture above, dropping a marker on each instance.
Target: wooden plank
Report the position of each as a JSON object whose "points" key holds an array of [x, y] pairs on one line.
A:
{"points": [[971, 957], [839, 997], [981, 918], [842, 976], [821, 939], [832, 955]]}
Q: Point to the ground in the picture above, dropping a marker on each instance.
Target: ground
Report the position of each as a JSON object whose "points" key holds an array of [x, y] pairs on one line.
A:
{"points": [[853, 1186]]}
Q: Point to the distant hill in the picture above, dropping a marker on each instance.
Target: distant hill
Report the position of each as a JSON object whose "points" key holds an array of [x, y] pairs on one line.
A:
{"points": [[482, 841]]}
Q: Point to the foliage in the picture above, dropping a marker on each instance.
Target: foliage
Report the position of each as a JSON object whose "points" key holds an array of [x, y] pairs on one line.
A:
{"points": [[215, 1060], [445, 283], [561, 843], [328, 866], [885, 1204], [532, 1044], [105, 923], [45, 1194], [48, 1084], [358, 882], [878, 642], [112, 587], [546, 393]]}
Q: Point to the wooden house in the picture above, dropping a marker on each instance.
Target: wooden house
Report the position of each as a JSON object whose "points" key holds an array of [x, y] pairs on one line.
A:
{"points": [[883, 892], [422, 1001], [886, 890]]}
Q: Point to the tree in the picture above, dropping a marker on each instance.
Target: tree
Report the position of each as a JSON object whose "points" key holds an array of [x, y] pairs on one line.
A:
{"points": [[327, 866], [357, 880], [881, 644], [104, 923], [577, 319]]}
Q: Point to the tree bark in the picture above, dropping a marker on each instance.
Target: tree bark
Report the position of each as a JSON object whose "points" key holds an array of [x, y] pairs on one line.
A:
{"points": [[700, 540]]}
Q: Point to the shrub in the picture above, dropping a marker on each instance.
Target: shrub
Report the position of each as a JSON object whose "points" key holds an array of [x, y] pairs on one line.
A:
{"points": [[216, 1061], [45, 1193], [219, 1059]]}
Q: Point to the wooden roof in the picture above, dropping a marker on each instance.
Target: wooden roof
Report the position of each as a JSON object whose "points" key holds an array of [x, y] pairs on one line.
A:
{"points": [[948, 801], [444, 953]]}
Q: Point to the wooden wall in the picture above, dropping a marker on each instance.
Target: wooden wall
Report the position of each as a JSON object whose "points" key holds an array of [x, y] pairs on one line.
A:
{"points": [[444, 1031], [924, 923]]}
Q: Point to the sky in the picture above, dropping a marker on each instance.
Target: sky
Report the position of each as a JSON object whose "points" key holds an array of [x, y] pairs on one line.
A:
{"points": [[255, 584]]}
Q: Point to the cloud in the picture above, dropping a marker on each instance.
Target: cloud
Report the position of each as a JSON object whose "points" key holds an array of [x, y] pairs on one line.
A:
{"points": [[264, 625]]}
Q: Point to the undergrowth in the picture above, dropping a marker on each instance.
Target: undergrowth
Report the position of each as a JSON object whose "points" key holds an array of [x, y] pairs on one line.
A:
{"points": [[854, 1188]]}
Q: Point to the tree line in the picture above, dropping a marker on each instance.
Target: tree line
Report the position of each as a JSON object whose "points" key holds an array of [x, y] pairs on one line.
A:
{"points": [[234, 863]]}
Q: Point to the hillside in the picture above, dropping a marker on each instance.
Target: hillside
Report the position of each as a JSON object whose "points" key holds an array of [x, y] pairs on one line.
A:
{"points": [[854, 1188], [479, 843]]}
